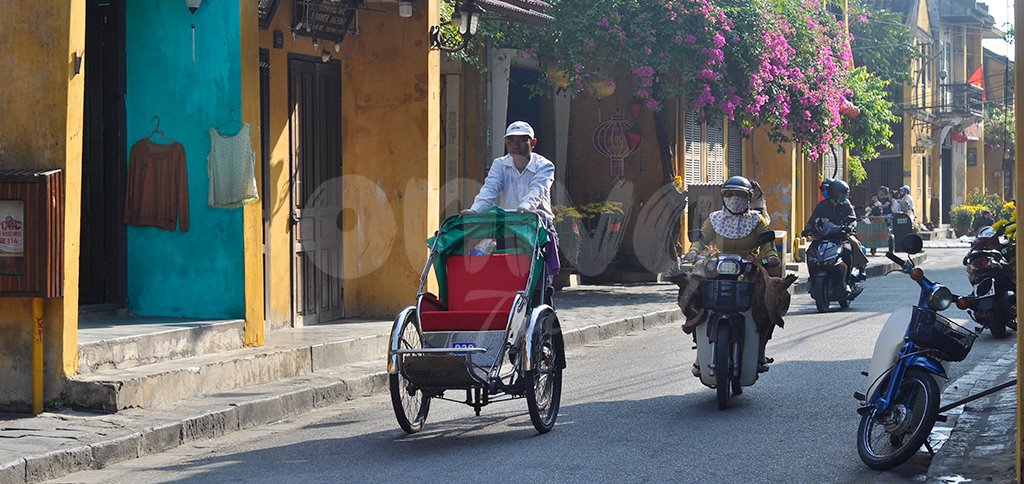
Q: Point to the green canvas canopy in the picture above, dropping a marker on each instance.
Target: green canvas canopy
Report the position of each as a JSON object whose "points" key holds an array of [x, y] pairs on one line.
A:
{"points": [[514, 233]]}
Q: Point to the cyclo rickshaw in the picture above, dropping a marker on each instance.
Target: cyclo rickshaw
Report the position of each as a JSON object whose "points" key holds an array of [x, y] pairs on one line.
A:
{"points": [[488, 331]]}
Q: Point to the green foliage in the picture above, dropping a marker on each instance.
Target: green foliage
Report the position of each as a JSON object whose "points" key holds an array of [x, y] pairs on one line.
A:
{"points": [[1000, 126], [857, 172], [881, 42], [961, 216], [990, 201], [873, 128]]}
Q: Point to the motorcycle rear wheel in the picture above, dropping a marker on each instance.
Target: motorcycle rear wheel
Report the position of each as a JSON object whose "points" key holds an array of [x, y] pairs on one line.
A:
{"points": [[722, 373], [887, 440]]}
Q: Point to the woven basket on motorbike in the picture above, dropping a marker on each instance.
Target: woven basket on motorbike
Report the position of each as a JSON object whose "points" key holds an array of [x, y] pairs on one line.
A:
{"points": [[726, 295], [934, 332]]}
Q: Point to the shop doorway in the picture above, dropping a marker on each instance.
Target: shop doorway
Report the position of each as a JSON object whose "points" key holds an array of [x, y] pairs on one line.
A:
{"points": [[315, 137], [102, 282]]}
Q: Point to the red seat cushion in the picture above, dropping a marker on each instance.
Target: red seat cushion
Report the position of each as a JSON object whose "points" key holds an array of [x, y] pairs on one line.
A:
{"points": [[463, 320], [481, 290]]}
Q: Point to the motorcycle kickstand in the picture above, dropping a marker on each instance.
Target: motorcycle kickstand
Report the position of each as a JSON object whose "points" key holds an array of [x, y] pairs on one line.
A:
{"points": [[931, 451]]}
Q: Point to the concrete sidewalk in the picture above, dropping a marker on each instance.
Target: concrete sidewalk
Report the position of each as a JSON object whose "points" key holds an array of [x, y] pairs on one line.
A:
{"points": [[54, 444], [980, 447]]}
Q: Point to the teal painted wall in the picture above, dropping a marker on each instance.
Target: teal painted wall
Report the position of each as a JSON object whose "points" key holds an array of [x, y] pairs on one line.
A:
{"points": [[198, 273]]}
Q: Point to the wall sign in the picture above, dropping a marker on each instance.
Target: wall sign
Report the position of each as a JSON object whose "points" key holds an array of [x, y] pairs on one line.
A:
{"points": [[323, 19], [12, 237]]}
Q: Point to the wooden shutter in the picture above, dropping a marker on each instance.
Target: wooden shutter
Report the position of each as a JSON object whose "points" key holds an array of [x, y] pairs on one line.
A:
{"points": [[691, 154], [735, 150], [716, 149]]}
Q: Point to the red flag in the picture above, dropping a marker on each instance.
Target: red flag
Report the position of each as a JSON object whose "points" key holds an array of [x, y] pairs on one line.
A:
{"points": [[978, 79]]}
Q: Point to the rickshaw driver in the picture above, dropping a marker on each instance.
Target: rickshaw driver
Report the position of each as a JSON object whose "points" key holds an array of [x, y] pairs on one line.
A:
{"points": [[522, 180]]}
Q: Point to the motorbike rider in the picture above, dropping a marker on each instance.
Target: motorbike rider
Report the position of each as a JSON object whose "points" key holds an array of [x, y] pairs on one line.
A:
{"points": [[836, 208], [732, 230]]}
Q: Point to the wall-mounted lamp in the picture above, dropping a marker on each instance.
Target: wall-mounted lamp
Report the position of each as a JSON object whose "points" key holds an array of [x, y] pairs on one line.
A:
{"points": [[78, 56], [405, 8], [325, 55], [193, 5], [466, 19]]}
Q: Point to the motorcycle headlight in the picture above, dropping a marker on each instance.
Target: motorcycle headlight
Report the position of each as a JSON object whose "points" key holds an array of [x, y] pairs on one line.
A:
{"points": [[940, 298], [728, 267]]}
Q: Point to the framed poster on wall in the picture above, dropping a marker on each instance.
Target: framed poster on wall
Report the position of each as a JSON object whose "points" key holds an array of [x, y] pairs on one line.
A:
{"points": [[12, 237]]}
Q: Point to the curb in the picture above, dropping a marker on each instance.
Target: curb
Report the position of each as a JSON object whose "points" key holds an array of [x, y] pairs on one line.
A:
{"points": [[316, 391], [990, 371], [800, 287]]}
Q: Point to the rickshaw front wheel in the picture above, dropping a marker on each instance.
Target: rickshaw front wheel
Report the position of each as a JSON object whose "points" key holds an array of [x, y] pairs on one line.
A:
{"points": [[410, 403], [543, 383]]}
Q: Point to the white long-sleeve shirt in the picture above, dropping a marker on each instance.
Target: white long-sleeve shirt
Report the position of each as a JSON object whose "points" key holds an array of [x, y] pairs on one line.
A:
{"points": [[529, 189]]}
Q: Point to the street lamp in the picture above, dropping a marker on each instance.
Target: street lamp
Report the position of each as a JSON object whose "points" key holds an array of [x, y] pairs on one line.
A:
{"points": [[466, 19]]}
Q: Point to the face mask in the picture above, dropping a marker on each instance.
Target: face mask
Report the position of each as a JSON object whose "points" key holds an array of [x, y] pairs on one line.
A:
{"points": [[737, 205]]}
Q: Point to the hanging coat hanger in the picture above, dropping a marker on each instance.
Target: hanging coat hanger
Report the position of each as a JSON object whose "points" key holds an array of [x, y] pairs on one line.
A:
{"points": [[232, 119], [157, 131]]}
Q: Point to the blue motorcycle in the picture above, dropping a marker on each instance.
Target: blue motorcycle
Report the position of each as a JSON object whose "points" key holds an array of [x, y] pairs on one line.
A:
{"points": [[901, 403]]}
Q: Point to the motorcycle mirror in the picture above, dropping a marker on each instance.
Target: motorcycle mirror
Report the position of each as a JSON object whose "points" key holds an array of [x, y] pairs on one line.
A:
{"points": [[912, 243], [693, 235], [765, 237]]}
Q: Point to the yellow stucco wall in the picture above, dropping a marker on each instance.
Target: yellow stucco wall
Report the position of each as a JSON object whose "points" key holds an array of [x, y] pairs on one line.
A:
{"points": [[42, 128], [776, 173], [975, 174], [390, 158], [252, 216]]}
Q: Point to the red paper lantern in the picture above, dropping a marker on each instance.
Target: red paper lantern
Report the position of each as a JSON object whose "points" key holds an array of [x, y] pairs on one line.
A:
{"points": [[634, 107], [849, 109]]}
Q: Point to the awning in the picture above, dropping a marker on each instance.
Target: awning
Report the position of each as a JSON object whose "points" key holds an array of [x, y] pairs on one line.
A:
{"points": [[524, 11]]}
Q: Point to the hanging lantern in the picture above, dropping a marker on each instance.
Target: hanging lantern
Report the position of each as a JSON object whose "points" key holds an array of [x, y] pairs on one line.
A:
{"points": [[616, 139], [558, 76], [635, 106], [600, 88], [849, 109]]}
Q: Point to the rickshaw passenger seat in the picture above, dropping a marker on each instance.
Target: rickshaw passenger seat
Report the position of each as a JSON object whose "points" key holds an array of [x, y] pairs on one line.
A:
{"points": [[481, 290]]}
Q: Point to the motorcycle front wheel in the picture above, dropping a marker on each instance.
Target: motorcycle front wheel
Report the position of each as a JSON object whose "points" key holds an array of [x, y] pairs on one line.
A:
{"points": [[722, 373], [887, 439], [821, 298]]}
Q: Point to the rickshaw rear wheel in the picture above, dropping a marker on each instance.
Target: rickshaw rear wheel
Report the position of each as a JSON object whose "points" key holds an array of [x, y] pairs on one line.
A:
{"points": [[543, 384], [411, 407]]}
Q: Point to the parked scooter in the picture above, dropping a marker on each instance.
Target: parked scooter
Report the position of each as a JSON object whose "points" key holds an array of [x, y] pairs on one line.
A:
{"points": [[901, 402], [727, 339], [832, 277], [993, 302]]}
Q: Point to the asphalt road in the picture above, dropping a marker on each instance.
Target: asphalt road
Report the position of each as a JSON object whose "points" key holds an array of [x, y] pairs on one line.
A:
{"points": [[631, 412]]}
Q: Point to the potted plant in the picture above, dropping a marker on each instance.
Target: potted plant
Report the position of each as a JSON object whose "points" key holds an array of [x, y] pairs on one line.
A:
{"points": [[961, 217]]}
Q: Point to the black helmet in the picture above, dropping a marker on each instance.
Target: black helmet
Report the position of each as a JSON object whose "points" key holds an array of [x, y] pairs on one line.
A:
{"points": [[838, 190], [738, 183]]}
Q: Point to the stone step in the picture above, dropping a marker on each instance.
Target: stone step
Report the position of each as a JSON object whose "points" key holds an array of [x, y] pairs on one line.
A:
{"points": [[109, 344], [165, 382]]}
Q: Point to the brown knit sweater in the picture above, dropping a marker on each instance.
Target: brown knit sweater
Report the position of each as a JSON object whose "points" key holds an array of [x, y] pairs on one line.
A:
{"points": [[157, 194]]}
